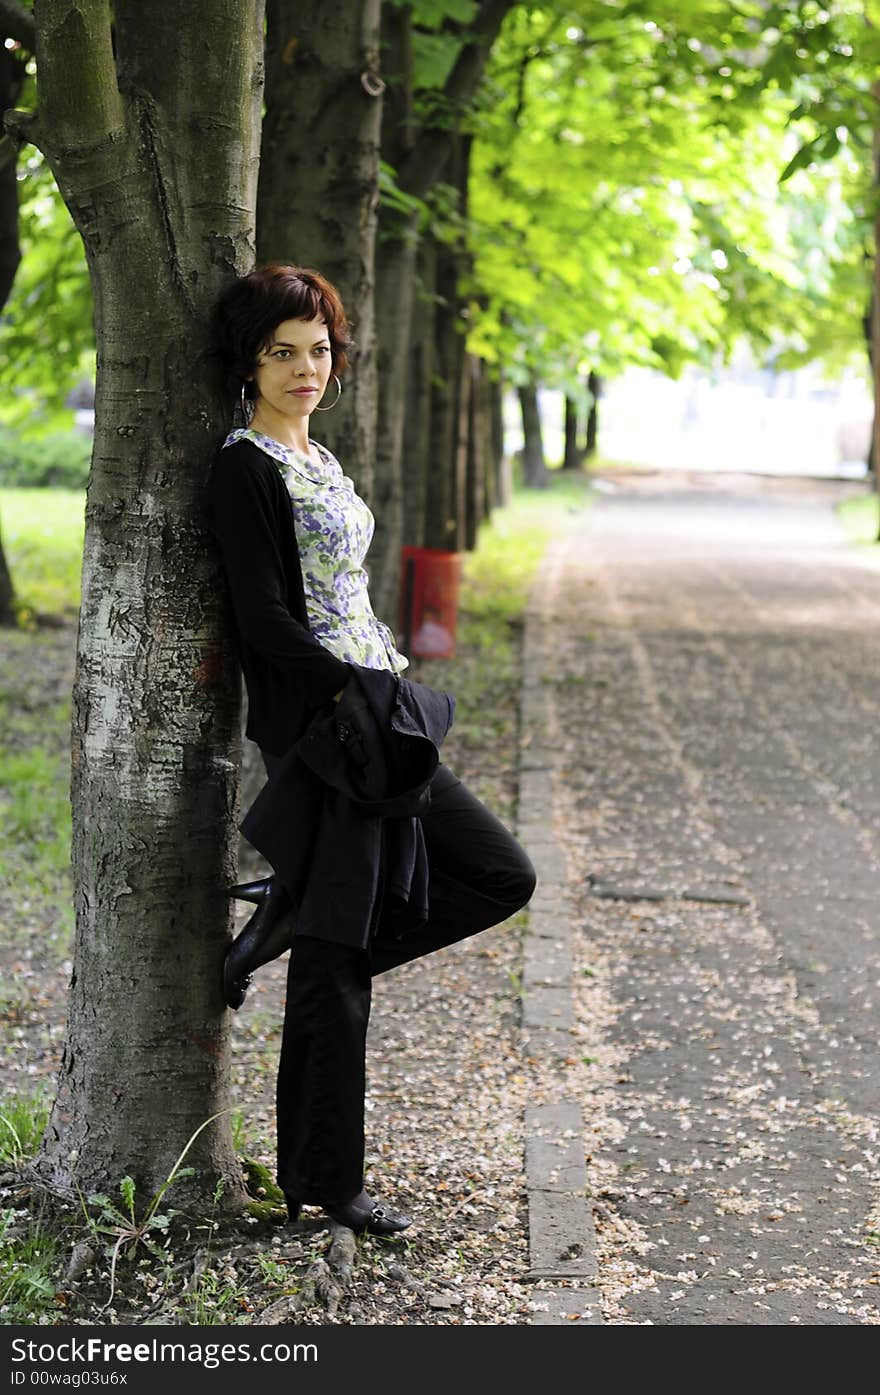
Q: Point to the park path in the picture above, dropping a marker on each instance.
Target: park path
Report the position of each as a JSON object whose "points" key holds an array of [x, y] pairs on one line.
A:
{"points": [[713, 654]]}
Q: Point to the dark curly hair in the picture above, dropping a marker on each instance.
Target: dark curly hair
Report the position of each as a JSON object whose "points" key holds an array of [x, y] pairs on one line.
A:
{"points": [[253, 306]]}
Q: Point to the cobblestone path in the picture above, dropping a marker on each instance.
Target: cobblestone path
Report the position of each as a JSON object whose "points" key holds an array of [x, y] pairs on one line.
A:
{"points": [[716, 699]]}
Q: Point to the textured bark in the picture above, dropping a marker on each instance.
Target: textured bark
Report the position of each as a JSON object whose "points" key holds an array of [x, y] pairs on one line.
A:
{"points": [[319, 185], [155, 151], [875, 307], [417, 414], [420, 158], [11, 71], [443, 522], [534, 467]]}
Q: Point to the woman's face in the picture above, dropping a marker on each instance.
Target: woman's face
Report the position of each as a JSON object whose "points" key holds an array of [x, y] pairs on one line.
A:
{"points": [[294, 368]]}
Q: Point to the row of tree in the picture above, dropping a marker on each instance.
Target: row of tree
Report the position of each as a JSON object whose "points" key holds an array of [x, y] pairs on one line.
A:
{"points": [[501, 191]]}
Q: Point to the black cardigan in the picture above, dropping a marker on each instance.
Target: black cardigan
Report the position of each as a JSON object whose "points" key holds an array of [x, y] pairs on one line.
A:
{"points": [[288, 673]]}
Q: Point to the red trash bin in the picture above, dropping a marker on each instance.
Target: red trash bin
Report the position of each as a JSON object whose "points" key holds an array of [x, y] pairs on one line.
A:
{"points": [[430, 580]]}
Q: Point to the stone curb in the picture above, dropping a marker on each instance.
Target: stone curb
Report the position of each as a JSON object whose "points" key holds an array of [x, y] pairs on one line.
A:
{"points": [[562, 1239]]}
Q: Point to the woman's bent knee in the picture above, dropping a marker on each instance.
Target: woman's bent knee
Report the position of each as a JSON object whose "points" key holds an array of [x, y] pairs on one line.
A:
{"points": [[516, 884]]}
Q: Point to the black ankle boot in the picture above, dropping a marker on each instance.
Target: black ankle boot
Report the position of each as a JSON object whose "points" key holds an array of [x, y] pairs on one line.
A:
{"points": [[267, 934], [361, 1214]]}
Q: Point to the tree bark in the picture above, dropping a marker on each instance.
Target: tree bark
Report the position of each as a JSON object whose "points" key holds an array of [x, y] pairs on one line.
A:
{"points": [[11, 74], [500, 468], [594, 384], [875, 307], [417, 415], [319, 186], [8, 615], [419, 158], [155, 149], [571, 455], [483, 430], [534, 466], [444, 519]]}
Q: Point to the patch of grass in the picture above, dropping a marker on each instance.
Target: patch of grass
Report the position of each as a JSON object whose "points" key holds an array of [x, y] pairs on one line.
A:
{"points": [[42, 532], [35, 809], [35, 818], [23, 1120], [497, 576], [215, 1298], [861, 518], [31, 1249], [31, 1244]]}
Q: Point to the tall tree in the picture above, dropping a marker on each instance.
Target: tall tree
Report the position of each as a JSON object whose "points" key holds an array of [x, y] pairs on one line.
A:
{"points": [[319, 184], [417, 145], [152, 132], [534, 471], [17, 28]]}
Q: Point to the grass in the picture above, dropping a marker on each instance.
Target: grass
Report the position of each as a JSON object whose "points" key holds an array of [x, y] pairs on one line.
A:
{"points": [[861, 518], [42, 532], [31, 1245], [22, 1122]]}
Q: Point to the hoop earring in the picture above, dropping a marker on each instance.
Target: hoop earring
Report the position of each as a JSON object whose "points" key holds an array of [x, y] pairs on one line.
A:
{"points": [[244, 405], [336, 399]]}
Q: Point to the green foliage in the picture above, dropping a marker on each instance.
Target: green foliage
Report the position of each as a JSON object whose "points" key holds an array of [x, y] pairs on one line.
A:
{"points": [[58, 458], [47, 343], [625, 197]]}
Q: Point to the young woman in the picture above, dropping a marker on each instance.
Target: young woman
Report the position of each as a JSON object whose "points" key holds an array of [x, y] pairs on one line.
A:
{"points": [[293, 534]]}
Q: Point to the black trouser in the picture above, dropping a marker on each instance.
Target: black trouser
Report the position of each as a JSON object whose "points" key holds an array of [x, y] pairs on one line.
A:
{"points": [[478, 876]]}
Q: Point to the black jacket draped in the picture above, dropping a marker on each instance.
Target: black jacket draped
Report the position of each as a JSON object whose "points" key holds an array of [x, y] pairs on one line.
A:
{"points": [[349, 792]]}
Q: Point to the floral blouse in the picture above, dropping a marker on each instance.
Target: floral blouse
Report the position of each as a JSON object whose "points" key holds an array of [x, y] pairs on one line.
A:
{"points": [[334, 528]]}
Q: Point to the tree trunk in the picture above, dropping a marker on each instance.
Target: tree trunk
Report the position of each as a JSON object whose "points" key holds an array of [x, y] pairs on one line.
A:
{"points": [[417, 416], [473, 494], [396, 259], [571, 455], [7, 592], [11, 73], [483, 431], [500, 465], [395, 270], [419, 159], [875, 307], [443, 524], [155, 146], [534, 466], [319, 186], [594, 384]]}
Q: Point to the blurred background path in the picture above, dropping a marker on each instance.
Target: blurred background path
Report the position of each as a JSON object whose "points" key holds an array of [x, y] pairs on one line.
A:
{"points": [[717, 706]]}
